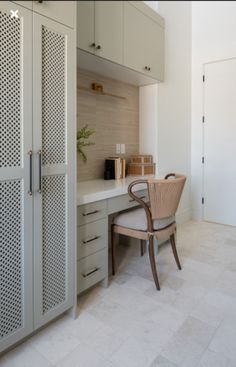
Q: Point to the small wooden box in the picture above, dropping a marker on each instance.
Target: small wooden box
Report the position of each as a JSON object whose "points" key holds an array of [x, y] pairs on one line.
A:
{"points": [[142, 169], [141, 158]]}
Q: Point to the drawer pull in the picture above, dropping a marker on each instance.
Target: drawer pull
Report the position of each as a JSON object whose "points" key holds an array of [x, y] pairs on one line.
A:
{"points": [[90, 272], [90, 213], [90, 240], [141, 197]]}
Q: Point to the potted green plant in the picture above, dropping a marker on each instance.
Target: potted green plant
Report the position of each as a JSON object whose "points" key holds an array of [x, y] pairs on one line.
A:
{"points": [[83, 135]]}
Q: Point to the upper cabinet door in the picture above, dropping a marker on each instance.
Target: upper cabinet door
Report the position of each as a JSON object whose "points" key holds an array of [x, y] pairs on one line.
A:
{"points": [[85, 25], [26, 4], [109, 30], [143, 43], [62, 11]]}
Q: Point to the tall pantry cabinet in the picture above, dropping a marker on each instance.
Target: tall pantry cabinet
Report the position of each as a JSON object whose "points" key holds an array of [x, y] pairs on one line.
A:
{"points": [[37, 165]]}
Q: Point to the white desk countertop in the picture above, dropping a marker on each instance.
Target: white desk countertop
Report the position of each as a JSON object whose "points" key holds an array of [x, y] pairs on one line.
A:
{"points": [[95, 190]]}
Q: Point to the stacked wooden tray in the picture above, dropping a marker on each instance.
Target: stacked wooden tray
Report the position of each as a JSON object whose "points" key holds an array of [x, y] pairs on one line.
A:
{"points": [[141, 165]]}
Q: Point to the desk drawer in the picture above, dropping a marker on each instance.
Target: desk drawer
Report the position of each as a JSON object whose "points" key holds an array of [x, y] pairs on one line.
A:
{"points": [[92, 237], [125, 201], [91, 212], [92, 269]]}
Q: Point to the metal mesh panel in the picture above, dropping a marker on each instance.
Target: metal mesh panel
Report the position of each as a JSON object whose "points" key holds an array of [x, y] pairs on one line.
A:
{"points": [[10, 257], [54, 242], [53, 97], [10, 85]]}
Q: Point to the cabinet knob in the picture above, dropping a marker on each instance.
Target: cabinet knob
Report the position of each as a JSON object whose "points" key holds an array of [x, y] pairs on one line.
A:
{"points": [[98, 47], [93, 44], [147, 68], [40, 1]]}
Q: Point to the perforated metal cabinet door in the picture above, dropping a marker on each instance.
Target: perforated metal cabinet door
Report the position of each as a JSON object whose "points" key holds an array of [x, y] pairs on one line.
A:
{"points": [[15, 202], [54, 83]]}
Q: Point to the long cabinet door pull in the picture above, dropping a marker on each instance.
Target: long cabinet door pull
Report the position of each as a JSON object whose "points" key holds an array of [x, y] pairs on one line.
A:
{"points": [[90, 240], [40, 171], [90, 213], [90, 272], [30, 154], [141, 197]]}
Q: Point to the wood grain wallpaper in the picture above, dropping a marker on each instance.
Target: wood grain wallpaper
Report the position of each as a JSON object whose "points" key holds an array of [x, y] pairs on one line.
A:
{"points": [[114, 120]]}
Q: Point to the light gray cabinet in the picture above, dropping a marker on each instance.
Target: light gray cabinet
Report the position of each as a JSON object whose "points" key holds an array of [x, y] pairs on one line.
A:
{"points": [[85, 25], [125, 32], [61, 11], [100, 28], [37, 173], [92, 244], [143, 42], [54, 174], [16, 202], [109, 30]]}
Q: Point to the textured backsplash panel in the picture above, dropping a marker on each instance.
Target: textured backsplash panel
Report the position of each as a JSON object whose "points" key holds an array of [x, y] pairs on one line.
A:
{"points": [[115, 121]]}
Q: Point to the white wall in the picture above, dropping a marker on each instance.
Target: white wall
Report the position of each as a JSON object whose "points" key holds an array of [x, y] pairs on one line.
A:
{"points": [[165, 110], [213, 38]]}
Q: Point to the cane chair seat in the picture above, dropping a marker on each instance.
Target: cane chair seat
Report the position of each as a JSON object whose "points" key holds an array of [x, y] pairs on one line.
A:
{"points": [[137, 219]]}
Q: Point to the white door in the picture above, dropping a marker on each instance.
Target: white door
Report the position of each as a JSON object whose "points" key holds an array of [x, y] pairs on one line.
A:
{"points": [[220, 142], [15, 173], [54, 86]]}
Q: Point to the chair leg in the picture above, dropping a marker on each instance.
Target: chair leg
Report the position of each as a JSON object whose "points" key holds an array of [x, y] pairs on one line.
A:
{"points": [[142, 247], [153, 262], [172, 241], [113, 262]]}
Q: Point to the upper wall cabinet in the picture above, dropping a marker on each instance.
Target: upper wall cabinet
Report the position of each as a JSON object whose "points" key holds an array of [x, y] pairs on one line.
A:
{"points": [[143, 41], [100, 28], [56, 10], [26, 4], [126, 32]]}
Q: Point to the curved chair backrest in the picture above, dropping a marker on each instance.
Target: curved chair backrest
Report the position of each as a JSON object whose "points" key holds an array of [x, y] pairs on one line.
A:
{"points": [[164, 195]]}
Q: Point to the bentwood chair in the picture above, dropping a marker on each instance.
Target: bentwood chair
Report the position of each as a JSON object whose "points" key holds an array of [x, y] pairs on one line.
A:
{"points": [[155, 219]]}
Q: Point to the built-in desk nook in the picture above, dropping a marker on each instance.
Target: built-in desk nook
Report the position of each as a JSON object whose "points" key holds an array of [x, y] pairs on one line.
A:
{"points": [[96, 200]]}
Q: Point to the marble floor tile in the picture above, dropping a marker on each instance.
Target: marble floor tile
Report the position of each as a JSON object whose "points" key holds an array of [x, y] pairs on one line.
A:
{"points": [[162, 362], [83, 356], [214, 359], [224, 341], [191, 322], [189, 343], [24, 356]]}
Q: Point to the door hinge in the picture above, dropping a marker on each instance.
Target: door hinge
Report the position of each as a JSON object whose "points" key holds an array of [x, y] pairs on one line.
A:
{"points": [[203, 78], [203, 200], [203, 160], [203, 119]]}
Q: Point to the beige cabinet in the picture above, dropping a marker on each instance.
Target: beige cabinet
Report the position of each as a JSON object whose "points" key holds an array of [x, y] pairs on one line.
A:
{"points": [[125, 32], [143, 42], [61, 11], [26, 4], [100, 28], [85, 25], [109, 30]]}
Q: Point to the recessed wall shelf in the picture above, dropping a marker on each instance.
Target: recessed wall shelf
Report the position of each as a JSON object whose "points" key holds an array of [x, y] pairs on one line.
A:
{"points": [[98, 89]]}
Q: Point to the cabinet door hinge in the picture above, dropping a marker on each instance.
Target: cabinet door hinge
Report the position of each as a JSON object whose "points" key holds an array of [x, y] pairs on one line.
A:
{"points": [[203, 119], [203, 200], [203, 78], [203, 160]]}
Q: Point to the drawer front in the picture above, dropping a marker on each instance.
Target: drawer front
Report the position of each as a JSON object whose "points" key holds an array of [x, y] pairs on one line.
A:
{"points": [[61, 11], [125, 201], [92, 269], [92, 237], [91, 212]]}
